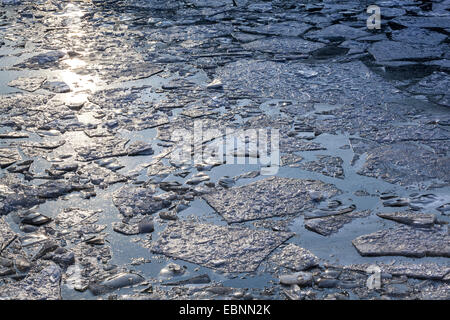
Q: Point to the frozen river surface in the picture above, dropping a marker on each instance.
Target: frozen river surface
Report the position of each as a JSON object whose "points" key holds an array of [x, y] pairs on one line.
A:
{"points": [[205, 150]]}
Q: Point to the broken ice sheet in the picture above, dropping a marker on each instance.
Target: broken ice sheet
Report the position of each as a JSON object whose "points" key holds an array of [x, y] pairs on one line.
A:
{"points": [[10, 246], [197, 112], [291, 160], [405, 163], [90, 266], [195, 53], [75, 217], [418, 35], [283, 45], [100, 148], [158, 169], [131, 201], [294, 144], [42, 283], [77, 223], [426, 270], [226, 249], [8, 156], [42, 61], [334, 83], [423, 22], [118, 281], [295, 258], [410, 217], [32, 239], [436, 84], [434, 291], [30, 84], [326, 226], [100, 176], [405, 241], [56, 86], [13, 135], [14, 194], [337, 31], [127, 71], [139, 148], [148, 120], [287, 29], [46, 144], [391, 50], [326, 165], [267, 198]]}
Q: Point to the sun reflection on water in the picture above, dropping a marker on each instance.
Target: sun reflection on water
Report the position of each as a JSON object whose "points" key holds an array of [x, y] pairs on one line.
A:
{"points": [[75, 63], [78, 74], [77, 71], [79, 83]]}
